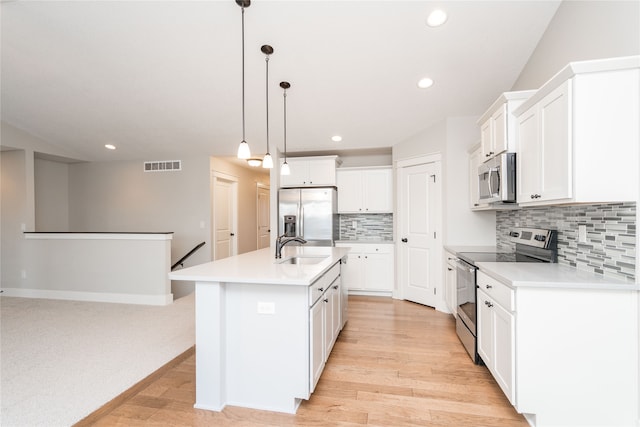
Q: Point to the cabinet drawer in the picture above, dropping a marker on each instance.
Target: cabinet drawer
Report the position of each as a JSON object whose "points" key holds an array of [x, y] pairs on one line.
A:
{"points": [[501, 293], [320, 286]]}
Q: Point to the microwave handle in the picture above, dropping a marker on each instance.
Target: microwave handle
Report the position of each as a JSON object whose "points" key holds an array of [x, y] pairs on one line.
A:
{"points": [[491, 170]]}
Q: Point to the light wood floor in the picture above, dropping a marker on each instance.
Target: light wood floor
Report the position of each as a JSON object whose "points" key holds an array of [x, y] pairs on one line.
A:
{"points": [[396, 363]]}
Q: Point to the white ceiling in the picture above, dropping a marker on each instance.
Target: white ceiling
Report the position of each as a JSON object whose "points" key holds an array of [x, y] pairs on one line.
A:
{"points": [[161, 79]]}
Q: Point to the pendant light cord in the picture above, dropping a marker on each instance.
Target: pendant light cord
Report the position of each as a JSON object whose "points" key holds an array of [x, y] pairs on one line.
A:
{"points": [[266, 59], [284, 95], [243, 127]]}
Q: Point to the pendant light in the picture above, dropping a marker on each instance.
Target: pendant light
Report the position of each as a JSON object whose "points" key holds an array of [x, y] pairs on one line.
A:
{"points": [[267, 161], [284, 169], [243, 149]]}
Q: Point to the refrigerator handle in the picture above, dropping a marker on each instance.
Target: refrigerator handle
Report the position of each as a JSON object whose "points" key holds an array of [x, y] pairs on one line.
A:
{"points": [[302, 221]]}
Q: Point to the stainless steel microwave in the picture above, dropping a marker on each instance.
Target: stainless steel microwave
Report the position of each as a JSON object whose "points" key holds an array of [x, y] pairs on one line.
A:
{"points": [[497, 179]]}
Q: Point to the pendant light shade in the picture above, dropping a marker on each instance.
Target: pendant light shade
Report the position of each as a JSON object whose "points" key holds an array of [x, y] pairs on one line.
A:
{"points": [[284, 169], [244, 152], [267, 161]]}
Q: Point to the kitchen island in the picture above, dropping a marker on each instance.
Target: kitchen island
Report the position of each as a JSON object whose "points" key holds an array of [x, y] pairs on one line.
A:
{"points": [[265, 327]]}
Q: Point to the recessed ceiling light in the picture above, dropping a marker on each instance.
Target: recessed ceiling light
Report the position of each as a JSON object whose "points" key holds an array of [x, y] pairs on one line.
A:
{"points": [[336, 138], [110, 146], [437, 18], [425, 83]]}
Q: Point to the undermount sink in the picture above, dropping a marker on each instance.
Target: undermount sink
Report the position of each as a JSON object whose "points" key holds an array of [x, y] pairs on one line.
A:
{"points": [[306, 260]]}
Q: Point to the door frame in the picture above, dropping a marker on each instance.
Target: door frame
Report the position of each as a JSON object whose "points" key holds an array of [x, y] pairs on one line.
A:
{"points": [[399, 291], [233, 180], [260, 185]]}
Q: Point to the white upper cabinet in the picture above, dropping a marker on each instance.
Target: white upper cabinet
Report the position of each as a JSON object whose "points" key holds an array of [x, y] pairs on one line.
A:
{"points": [[578, 135], [310, 171], [365, 190], [497, 124]]}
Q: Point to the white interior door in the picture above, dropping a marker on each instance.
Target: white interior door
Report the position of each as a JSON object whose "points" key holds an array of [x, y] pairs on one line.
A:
{"points": [[224, 216], [418, 222], [263, 218]]}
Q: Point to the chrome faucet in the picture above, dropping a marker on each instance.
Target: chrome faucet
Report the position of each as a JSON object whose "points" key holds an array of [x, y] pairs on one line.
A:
{"points": [[283, 240]]}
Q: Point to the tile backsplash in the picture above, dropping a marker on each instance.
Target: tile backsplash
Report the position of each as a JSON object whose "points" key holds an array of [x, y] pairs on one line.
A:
{"points": [[610, 247], [368, 227]]}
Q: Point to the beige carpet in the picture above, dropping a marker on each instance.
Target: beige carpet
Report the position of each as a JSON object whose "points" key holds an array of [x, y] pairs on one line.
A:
{"points": [[61, 360]]}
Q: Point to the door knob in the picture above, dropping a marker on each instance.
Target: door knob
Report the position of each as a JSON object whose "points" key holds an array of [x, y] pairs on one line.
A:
{"points": [[404, 240]]}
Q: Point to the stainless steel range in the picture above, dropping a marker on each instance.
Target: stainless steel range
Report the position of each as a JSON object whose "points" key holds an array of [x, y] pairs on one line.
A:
{"points": [[532, 245]]}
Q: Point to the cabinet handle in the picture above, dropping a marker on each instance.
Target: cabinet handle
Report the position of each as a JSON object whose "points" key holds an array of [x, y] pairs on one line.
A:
{"points": [[326, 300], [320, 289], [449, 268], [487, 155], [488, 304], [404, 240], [335, 287], [488, 286], [366, 257], [535, 196]]}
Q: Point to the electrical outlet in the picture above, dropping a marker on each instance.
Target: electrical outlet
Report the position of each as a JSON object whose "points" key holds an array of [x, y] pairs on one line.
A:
{"points": [[266, 307], [354, 224], [582, 233]]}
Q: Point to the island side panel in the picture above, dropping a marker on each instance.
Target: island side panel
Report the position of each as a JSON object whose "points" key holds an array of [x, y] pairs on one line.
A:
{"points": [[267, 346], [577, 356], [210, 346]]}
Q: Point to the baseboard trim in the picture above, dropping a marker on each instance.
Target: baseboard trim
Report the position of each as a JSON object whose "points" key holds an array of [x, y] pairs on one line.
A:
{"points": [[163, 299], [105, 409]]}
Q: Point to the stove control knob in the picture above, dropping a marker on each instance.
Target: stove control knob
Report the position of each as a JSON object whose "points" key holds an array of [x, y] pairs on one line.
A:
{"points": [[514, 234], [540, 237]]}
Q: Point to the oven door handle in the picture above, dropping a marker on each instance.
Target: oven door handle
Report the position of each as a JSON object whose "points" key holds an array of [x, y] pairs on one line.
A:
{"points": [[466, 266]]}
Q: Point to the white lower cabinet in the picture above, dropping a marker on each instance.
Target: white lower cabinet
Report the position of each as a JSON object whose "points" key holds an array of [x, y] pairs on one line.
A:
{"points": [[316, 315], [496, 344], [562, 356], [325, 323], [450, 282], [369, 269]]}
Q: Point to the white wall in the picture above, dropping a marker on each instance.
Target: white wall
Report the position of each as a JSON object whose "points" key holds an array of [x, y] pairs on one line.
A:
{"points": [[462, 225], [121, 197], [583, 30], [451, 138], [13, 213], [51, 195], [248, 179]]}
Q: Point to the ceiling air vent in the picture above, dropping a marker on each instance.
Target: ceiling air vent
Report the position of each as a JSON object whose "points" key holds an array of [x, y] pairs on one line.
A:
{"points": [[163, 166]]}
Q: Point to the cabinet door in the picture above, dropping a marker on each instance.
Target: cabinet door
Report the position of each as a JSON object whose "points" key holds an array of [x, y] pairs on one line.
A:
{"points": [[336, 326], [299, 173], [321, 172], [528, 158], [500, 135], [378, 272], [327, 302], [451, 289], [316, 352], [484, 329], [504, 350], [556, 147], [349, 191], [352, 271], [378, 195], [486, 138], [475, 160]]}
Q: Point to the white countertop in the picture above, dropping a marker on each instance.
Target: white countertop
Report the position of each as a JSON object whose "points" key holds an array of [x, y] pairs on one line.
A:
{"points": [[366, 241], [543, 275], [456, 249], [261, 267]]}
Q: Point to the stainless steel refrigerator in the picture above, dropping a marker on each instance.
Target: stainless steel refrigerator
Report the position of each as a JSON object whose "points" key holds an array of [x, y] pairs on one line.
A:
{"points": [[310, 213]]}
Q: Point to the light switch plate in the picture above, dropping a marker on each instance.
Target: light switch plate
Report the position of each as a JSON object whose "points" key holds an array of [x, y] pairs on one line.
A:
{"points": [[266, 307], [582, 233]]}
